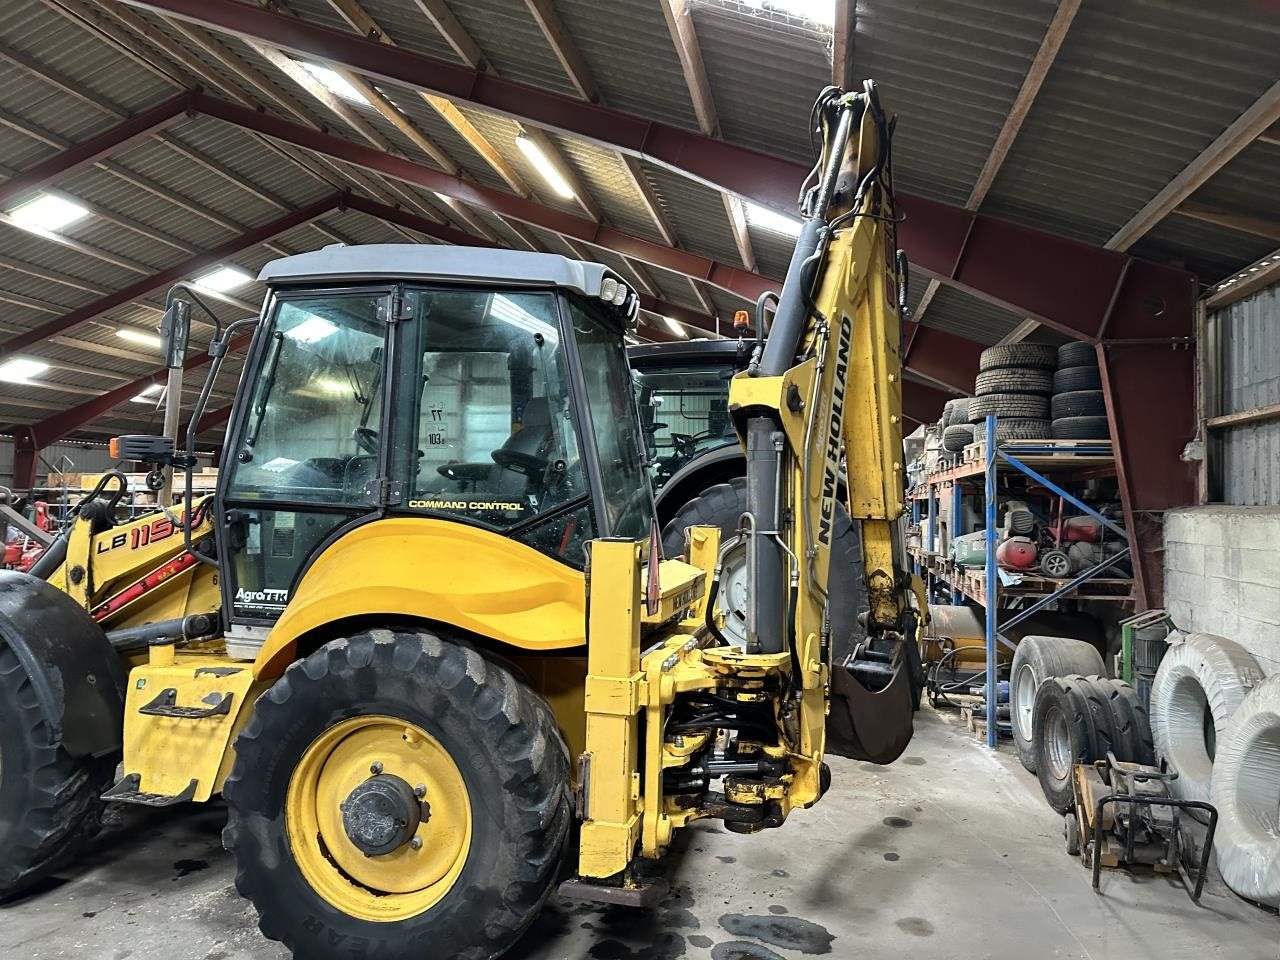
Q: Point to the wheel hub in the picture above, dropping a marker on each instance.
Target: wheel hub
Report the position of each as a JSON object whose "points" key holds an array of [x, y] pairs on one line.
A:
{"points": [[382, 814]]}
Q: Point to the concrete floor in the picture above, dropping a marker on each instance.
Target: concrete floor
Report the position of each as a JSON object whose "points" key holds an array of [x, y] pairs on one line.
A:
{"points": [[950, 853]]}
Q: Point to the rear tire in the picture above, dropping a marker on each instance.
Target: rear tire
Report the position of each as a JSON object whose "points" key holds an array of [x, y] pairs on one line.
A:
{"points": [[498, 733], [1036, 660], [50, 804], [1071, 723]]}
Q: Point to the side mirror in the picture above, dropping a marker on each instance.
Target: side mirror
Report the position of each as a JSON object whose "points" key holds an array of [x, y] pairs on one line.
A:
{"points": [[175, 328]]}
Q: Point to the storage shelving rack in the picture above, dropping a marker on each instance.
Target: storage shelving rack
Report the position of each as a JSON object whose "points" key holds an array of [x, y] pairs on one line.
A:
{"points": [[982, 462]]}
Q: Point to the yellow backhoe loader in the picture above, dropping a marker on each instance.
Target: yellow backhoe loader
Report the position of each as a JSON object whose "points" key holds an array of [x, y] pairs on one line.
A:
{"points": [[422, 639]]}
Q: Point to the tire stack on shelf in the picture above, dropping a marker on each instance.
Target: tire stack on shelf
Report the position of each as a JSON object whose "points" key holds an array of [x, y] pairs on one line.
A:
{"points": [[1015, 381], [956, 431], [1078, 409], [1216, 722]]}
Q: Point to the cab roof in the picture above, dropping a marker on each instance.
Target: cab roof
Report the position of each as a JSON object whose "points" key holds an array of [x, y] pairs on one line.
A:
{"points": [[411, 262]]}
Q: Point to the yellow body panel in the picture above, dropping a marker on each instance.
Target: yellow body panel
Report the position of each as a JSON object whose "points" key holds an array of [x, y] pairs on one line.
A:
{"points": [[99, 566], [437, 570], [167, 752]]}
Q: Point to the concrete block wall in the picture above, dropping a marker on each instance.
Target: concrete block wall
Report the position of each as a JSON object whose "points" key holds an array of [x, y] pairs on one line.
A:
{"points": [[1222, 575]]}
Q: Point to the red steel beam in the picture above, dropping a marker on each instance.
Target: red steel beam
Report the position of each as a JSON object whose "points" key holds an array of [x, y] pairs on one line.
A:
{"points": [[941, 356], [88, 152], [733, 279], [172, 274], [749, 173], [921, 403], [1072, 287]]}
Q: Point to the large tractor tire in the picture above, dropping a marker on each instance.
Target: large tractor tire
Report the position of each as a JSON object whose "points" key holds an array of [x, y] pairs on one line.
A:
{"points": [[49, 800], [400, 791], [1037, 659], [61, 715], [721, 506]]}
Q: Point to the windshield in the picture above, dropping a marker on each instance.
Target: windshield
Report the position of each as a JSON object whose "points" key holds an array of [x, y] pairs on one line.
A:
{"points": [[311, 433], [628, 499], [684, 411]]}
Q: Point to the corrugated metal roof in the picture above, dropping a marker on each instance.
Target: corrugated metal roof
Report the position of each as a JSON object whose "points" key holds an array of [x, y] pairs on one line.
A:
{"points": [[958, 312], [1138, 90]]}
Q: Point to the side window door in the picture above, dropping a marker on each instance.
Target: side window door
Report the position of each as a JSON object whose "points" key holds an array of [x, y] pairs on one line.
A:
{"points": [[307, 453]]}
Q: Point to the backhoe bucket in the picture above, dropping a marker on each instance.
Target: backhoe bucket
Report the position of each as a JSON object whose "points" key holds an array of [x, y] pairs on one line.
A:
{"points": [[866, 725]]}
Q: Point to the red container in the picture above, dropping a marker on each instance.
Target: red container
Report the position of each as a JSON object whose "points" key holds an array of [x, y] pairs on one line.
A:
{"points": [[1016, 553]]}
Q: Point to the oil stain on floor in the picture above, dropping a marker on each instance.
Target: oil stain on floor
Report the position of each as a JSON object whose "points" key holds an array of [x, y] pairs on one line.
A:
{"points": [[790, 933]]}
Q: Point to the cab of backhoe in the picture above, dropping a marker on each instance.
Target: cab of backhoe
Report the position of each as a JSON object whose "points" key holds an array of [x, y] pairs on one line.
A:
{"points": [[488, 388]]}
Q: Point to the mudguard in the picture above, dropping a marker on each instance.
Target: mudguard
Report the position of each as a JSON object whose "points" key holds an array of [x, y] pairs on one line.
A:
{"points": [[76, 675]]}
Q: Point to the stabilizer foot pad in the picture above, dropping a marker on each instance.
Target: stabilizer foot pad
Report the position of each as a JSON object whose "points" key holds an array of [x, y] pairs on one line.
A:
{"points": [[642, 894]]}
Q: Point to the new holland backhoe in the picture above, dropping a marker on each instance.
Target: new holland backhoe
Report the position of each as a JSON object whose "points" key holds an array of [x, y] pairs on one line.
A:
{"points": [[422, 639]]}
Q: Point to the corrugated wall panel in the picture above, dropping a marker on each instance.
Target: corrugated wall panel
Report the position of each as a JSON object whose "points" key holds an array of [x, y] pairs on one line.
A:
{"points": [[1249, 331]]}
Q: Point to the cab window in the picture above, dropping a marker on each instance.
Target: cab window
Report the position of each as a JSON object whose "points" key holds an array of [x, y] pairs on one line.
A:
{"points": [[493, 436], [312, 428]]}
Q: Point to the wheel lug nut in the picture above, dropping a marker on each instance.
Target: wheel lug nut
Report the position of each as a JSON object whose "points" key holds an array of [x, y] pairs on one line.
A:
{"points": [[416, 843], [376, 768], [420, 791]]}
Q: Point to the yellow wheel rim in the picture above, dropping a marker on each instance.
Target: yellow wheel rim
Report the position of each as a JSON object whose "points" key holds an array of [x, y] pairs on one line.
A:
{"points": [[410, 879]]}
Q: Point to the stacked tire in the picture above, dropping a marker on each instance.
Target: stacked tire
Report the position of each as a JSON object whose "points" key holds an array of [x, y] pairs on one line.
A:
{"points": [[1078, 409], [1015, 382], [957, 433]]}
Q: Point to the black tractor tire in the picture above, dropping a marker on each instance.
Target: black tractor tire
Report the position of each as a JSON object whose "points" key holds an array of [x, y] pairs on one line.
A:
{"points": [[1071, 379], [499, 732], [1014, 380], [956, 437], [1081, 428], [1036, 355], [1071, 723], [1078, 403], [1077, 353], [50, 804], [721, 506], [1131, 724], [1037, 659], [1017, 405]]}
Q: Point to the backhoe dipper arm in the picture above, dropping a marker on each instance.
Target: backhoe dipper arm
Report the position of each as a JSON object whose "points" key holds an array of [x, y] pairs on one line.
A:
{"points": [[825, 392]]}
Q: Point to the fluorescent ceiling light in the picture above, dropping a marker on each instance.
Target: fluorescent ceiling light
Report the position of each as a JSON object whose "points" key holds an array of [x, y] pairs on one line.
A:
{"points": [[223, 279], [312, 330], [334, 82], [767, 219], [150, 394], [545, 167], [140, 336], [47, 213], [21, 370], [674, 326]]}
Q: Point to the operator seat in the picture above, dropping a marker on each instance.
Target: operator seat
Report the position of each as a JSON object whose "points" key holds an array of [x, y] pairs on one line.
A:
{"points": [[530, 444]]}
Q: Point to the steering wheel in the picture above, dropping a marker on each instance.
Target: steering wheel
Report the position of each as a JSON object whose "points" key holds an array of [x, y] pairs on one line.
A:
{"points": [[684, 443], [524, 463], [366, 439]]}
